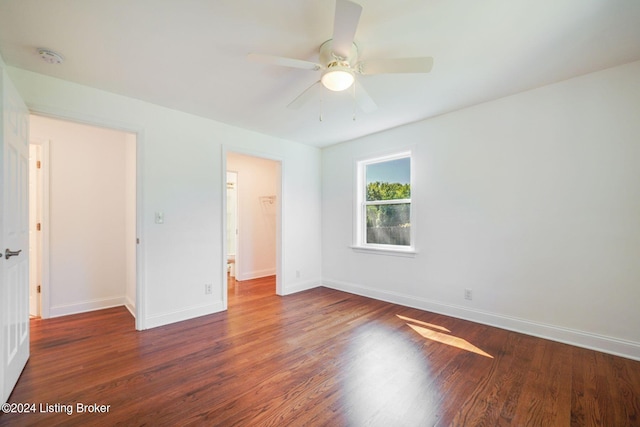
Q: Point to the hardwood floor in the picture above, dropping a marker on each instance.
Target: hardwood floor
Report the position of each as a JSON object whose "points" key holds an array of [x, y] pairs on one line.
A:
{"points": [[316, 358]]}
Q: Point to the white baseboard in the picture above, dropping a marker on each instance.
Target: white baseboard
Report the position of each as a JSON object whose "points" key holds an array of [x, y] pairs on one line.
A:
{"points": [[256, 274], [129, 304], [184, 314], [300, 286], [85, 306], [615, 346]]}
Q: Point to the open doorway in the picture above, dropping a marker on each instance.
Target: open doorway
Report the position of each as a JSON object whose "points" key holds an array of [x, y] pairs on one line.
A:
{"points": [[83, 218], [252, 218], [232, 222]]}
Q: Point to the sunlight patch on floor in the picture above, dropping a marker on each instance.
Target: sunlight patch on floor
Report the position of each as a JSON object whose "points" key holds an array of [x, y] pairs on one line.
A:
{"points": [[440, 337], [419, 322]]}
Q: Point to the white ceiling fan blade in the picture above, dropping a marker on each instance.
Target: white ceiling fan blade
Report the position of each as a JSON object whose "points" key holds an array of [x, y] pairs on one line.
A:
{"points": [[305, 96], [396, 65], [284, 62], [364, 101], [345, 25]]}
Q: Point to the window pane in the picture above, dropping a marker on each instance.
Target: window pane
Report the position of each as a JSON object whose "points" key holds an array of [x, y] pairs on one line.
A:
{"points": [[389, 224], [389, 180], [388, 191]]}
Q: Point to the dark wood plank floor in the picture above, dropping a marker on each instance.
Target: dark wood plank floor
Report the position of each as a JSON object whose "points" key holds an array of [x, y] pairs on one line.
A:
{"points": [[316, 358]]}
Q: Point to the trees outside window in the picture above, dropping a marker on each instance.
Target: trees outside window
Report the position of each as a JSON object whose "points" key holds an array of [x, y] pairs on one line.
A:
{"points": [[385, 202]]}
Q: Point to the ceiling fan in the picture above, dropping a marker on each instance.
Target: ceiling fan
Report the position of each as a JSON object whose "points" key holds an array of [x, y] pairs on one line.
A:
{"points": [[339, 63]]}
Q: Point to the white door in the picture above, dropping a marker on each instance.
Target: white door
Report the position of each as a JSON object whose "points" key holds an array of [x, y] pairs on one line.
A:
{"points": [[14, 240]]}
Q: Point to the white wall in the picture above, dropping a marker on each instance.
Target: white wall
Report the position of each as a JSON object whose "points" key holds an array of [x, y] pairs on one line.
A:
{"points": [[180, 173], [258, 179], [532, 201], [88, 207]]}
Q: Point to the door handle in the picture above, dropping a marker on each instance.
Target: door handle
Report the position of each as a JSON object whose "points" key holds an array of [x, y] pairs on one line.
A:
{"points": [[8, 254]]}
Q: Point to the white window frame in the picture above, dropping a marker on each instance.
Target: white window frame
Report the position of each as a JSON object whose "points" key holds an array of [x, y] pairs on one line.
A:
{"points": [[360, 226]]}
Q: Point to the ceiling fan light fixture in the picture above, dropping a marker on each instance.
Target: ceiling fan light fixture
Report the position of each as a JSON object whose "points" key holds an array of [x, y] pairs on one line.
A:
{"points": [[338, 78]]}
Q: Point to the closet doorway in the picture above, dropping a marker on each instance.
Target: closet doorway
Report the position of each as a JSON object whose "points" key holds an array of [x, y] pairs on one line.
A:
{"points": [[83, 217], [252, 221]]}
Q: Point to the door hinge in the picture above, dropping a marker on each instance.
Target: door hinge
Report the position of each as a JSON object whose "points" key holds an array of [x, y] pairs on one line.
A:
{"points": [[39, 289], [38, 164], [137, 240], [38, 227]]}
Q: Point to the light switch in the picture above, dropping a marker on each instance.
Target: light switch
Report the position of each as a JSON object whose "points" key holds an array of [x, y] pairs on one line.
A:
{"points": [[159, 217]]}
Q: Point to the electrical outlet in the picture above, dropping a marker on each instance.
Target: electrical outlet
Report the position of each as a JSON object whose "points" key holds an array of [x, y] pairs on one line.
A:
{"points": [[297, 274], [208, 289], [468, 294]]}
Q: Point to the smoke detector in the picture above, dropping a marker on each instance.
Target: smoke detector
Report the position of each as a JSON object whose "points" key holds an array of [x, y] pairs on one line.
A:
{"points": [[50, 56]]}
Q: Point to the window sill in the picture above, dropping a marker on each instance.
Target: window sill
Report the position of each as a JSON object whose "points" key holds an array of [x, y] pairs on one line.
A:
{"points": [[408, 253]]}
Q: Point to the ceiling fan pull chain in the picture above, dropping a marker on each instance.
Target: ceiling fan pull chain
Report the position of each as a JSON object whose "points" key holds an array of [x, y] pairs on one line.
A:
{"points": [[320, 108]]}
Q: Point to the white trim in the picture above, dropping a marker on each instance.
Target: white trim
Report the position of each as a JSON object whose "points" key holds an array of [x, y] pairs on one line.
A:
{"points": [[45, 299], [615, 346], [302, 286], [359, 221], [130, 306], [223, 230], [78, 117], [256, 274], [141, 254], [280, 202], [85, 306], [381, 250], [82, 118], [184, 314], [45, 265]]}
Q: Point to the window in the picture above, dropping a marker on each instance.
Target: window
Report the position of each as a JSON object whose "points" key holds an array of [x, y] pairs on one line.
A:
{"points": [[384, 203]]}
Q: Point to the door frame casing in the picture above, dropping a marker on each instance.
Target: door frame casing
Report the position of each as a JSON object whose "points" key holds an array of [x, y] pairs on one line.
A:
{"points": [[63, 115], [236, 219], [279, 215], [45, 301]]}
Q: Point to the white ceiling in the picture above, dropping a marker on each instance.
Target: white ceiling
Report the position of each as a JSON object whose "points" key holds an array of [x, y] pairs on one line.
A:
{"points": [[190, 55]]}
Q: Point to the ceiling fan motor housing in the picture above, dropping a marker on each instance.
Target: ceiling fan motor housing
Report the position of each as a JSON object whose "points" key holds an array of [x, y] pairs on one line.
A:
{"points": [[327, 56]]}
